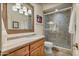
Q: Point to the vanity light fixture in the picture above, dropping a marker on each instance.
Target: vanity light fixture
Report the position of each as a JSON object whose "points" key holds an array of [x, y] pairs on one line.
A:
{"points": [[22, 9]]}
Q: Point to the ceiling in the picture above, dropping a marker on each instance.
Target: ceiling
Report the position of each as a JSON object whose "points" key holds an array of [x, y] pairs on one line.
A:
{"points": [[48, 7]]}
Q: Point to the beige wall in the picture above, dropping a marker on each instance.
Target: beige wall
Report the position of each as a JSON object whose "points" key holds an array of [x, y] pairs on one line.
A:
{"points": [[38, 11], [50, 5]]}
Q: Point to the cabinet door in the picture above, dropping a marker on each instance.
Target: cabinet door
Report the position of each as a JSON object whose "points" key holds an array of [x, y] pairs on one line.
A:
{"points": [[21, 52], [35, 52], [36, 44], [38, 52]]}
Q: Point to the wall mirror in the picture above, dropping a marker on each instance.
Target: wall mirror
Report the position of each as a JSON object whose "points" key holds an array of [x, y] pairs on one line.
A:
{"points": [[18, 18]]}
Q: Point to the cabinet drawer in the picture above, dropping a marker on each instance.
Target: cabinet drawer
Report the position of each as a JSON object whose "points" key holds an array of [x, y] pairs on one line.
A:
{"points": [[36, 44], [20, 52]]}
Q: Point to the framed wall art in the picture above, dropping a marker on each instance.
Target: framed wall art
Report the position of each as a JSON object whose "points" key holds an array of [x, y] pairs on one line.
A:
{"points": [[39, 19], [15, 24]]}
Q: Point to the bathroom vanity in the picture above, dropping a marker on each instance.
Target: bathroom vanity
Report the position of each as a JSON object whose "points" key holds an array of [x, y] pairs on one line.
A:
{"points": [[31, 48]]}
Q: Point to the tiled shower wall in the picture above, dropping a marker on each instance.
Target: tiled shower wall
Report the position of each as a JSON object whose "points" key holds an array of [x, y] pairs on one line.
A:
{"points": [[62, 37]]}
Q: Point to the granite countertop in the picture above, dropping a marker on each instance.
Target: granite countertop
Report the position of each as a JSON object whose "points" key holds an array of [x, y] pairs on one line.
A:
{"points": [[20, 41]]}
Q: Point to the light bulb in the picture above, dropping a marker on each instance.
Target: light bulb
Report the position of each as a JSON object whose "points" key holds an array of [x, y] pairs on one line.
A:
{"points": [[18, 5], [29, 12], [21, 11], [24, 9], [14, 8], [26, 13]]}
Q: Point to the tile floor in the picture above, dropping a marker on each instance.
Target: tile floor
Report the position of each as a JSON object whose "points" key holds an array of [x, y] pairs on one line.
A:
{"points": [[57, 51]]}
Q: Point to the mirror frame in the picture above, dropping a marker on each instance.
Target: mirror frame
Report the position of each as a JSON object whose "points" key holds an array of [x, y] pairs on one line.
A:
{"points": [[5, 19]]}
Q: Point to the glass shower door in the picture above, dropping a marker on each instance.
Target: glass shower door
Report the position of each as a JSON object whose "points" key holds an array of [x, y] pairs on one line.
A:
{"points": [[61, 37]]}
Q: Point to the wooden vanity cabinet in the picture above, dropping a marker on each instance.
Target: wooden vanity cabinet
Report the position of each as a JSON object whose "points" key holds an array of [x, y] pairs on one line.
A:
{"points": [[35, 48]]}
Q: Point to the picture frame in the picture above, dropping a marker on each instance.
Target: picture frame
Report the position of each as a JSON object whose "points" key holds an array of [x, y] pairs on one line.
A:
{"points": [[39, 19], [15, 24]]}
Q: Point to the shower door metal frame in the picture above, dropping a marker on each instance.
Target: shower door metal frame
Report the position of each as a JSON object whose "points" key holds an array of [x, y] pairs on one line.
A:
{"points": [[65, 9]]}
